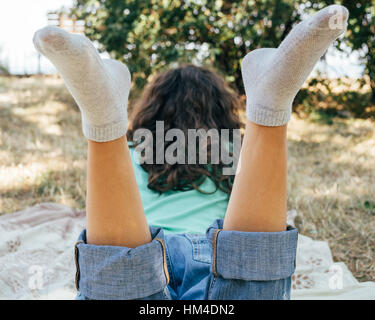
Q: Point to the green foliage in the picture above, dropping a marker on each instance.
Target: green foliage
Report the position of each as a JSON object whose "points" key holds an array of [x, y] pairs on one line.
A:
{"points": [[151, 35], [361, 32], [321, 100]]}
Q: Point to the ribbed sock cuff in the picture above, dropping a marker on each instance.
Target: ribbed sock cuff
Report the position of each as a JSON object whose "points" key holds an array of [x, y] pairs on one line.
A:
{"points": [[268, 117], [105, 133]]}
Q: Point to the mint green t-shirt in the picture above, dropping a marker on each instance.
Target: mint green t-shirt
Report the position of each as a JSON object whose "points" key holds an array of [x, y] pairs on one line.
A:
{"points": [[180, 211]]}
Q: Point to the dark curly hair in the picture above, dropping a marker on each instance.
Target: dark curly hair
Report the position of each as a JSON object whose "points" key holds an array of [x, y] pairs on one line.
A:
{"points": [[186, 97]]}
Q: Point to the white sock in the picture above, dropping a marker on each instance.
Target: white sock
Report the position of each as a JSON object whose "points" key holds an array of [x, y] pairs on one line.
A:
{"points": [[100, 87], [272, 77]]}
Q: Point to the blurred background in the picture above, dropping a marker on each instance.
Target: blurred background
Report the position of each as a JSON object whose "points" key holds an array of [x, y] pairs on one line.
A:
{"points": [[331, 137]]}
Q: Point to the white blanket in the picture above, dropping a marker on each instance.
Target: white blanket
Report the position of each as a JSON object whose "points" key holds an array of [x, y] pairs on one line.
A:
{"points": [[36, 259]]}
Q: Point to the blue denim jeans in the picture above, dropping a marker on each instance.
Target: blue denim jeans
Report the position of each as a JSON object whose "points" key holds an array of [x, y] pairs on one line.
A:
{"points": [[219, 265]]}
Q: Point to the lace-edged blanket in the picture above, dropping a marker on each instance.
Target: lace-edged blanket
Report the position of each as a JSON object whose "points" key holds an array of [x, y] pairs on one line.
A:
{"points": [[36, 259]]}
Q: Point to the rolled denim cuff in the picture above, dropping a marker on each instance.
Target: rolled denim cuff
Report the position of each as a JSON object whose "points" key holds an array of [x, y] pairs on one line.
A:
{"points": [[114, 272], [259, 256]]}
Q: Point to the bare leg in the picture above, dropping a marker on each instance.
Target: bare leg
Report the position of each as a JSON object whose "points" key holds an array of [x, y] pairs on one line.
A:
{"points": [[258, 200], [272, 78], [115, 214], [101, 87]]}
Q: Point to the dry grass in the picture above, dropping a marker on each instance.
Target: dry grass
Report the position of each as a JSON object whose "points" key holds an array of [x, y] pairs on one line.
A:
{"points": [[332, 186], [42, 152], [331, 167]]}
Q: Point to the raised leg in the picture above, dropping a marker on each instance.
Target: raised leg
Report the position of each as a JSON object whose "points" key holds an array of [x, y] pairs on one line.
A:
{"points": [[101, 87], [118, 256], [254, 238], [114, 208], [258, 199], [272, 78]]}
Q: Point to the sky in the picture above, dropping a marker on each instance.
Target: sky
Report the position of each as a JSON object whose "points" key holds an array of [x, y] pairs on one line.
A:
{"points": [[19, 19]]}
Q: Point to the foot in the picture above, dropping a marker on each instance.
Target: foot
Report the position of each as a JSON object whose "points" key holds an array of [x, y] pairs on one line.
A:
{"points": [[272, 77], [100, 87]]}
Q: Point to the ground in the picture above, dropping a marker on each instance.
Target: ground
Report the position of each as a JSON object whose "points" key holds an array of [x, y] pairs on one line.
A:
{"points": [[331, 177]]}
